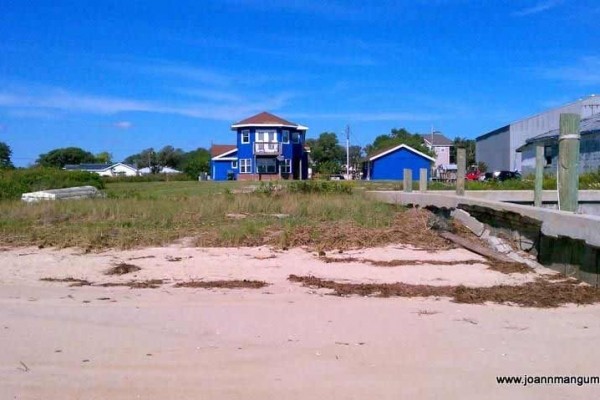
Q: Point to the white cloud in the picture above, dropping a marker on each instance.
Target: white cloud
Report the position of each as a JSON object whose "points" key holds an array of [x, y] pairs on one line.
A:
{"points": [[538, 8], [59, 101], [585, 72], [373, 116], [122, 124]]}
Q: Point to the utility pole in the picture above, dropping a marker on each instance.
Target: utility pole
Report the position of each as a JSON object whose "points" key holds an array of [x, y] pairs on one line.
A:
{"points": [[347, 151]]}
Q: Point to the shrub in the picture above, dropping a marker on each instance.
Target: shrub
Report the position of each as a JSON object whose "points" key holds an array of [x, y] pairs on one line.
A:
{"points": [[13, 183], [321, 187]]}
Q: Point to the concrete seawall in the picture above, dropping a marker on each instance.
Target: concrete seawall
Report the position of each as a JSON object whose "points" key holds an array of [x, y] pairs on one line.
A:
{"points": [[564, 241], [589, 200]]}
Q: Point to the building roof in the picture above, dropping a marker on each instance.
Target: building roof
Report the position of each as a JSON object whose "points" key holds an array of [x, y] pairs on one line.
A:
{"points": [[267, 119], [221, 149], [507, 127], [438, 139], [163, 170], [95, 167], [586, 126], [89, 167], [384, 152]]}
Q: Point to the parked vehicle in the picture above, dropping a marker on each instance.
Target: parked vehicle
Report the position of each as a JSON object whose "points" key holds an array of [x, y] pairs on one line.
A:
{"points": [[500, 176], [473, 174]]}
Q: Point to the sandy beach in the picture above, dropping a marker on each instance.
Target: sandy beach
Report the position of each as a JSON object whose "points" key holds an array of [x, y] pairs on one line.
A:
{"points": [[280, 341]]}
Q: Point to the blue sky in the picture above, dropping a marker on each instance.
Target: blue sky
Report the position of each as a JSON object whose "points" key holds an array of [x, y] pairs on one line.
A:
{"points": [[121, 76]]}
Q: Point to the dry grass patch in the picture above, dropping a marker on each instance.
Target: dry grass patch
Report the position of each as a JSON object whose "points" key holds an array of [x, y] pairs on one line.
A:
{"points": [[541, 293], [122, 269], [407, 227], [147, 284], [74, 282], [504, 267], [223, 284]]}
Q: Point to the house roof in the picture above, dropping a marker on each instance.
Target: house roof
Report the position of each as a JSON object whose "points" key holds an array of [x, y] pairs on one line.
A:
{"points": [[586, 126], [89, 167], [384, 152], [95, 167], [267, 119], [438, 139], [163, 170], [221, 149]]}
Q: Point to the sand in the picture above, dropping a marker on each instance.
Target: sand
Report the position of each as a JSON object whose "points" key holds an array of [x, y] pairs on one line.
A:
{"points": [[281, 341]]}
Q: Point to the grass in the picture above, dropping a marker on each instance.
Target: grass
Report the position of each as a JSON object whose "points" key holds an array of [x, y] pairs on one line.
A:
{"points": [[157, 213], [587, 181]]}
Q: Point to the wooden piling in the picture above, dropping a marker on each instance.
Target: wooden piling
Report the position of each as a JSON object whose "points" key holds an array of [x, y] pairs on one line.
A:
{"points": [[407, 184], [423, 180], [461, 160], [568, 162], [539, 175]]}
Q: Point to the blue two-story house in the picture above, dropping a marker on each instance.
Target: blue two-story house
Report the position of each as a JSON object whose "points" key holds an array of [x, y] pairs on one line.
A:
{"points": [[268, 148]]}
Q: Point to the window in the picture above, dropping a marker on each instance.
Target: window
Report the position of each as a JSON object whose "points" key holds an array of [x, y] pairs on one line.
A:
{"points": [[245, 136], [285, 136], [266, 136], [245, 166], [266, 165], [286, 166], [234, 164], [548, 154], [295, 137]]}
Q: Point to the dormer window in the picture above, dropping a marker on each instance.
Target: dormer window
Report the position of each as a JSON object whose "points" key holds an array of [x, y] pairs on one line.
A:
{"points": [[245, 136]]}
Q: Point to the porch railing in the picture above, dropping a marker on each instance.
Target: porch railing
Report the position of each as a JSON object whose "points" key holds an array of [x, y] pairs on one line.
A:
{"points": [[262, 149]]}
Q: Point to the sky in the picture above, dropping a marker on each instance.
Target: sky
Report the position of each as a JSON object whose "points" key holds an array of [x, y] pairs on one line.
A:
{"points": [[122, 76]]}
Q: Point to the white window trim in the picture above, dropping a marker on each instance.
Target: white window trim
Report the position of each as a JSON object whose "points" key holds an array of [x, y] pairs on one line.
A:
{"points": [[271, 133], [245, 166], [283, 165], [245, 131], [283, 134], [234, 164]]}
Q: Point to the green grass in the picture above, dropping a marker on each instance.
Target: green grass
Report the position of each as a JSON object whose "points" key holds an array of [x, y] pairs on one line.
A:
{"points": [[13, 183], [157, 213]]}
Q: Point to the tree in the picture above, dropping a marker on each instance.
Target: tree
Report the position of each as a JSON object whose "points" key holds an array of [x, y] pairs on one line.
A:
{"points": [[468, 145], [169, 156], [147, 158], [195, 162], [397, 137], [326, 152], [104, 157], [58, 158], [5, 154]]}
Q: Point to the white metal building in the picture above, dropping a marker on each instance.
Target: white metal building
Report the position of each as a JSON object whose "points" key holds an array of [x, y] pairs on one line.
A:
{"points": [[498, 148]]}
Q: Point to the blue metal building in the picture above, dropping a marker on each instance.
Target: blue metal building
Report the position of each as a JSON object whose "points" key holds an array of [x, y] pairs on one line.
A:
{"points": [[390, 164]]}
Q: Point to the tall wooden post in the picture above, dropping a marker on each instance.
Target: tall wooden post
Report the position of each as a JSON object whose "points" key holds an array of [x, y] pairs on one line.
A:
{"points": [[423, 180], [407, 183], [461, 160], [568, 162], [539, 175]]}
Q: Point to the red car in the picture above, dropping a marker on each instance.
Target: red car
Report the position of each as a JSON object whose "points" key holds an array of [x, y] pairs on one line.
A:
{"points": [[473, 175]]}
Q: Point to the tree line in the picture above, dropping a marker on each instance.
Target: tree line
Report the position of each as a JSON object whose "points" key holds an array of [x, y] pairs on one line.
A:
{"points": [[327, 154], [191, 162]]}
